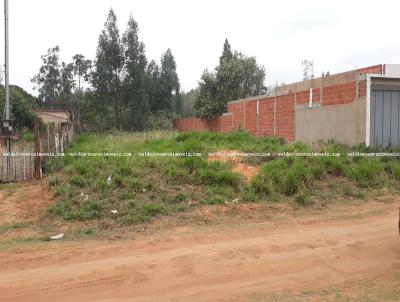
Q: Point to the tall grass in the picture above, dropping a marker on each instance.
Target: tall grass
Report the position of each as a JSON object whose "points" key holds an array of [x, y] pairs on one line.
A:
{"points": [[141, 187]]}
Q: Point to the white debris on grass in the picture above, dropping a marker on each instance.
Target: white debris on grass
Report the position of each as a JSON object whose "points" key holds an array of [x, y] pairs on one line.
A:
{"points": [[115, 212], [235, 201], [109, 180], [57, 237]]}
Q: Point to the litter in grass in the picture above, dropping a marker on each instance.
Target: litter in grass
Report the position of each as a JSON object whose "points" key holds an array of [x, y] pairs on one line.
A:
{"points": [[115, 212], [235, 201], [109, 180], [57, 237]]}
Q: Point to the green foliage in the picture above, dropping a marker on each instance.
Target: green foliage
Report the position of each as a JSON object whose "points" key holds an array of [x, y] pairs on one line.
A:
{"points": [[48, 80], [216, 173], [188, 101], [69, 210], [22, 105], [236, 77], [144, 187], [141, 213], [393, 168], [108, 66], [366, 173], [77, 181]]}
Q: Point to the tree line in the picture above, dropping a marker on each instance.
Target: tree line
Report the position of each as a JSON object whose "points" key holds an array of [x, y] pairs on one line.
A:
{"points": [[121, 89]]}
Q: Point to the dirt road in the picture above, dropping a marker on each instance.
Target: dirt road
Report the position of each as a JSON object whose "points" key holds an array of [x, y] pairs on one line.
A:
{"points": [[206, 266]]}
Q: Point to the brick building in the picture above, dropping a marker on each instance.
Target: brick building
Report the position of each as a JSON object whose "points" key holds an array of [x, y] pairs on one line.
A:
{"points": [[359, 106]]}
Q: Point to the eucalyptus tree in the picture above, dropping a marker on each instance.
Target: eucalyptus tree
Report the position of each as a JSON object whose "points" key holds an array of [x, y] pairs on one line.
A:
{"points": [[108, 67]]}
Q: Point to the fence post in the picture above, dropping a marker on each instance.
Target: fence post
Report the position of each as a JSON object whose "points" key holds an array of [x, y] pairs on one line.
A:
{"points": [[37, 148]]}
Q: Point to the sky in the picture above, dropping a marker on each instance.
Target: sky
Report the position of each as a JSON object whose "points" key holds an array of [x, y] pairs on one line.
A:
{"points": [[337, 35]]}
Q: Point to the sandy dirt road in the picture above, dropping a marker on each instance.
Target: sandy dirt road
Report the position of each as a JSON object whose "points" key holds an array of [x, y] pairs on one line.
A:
{"points": [[206, 266]]}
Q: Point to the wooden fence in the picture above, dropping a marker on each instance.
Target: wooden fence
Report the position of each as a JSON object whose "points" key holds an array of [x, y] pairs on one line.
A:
{"points": [[20, 166]]}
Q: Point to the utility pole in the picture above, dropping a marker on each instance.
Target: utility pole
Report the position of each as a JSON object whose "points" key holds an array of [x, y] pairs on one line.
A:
{"points": [[7, 125], [7, 63]]}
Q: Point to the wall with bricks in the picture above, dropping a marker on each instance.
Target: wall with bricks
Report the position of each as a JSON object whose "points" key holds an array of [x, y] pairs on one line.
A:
{"points": [[278, 114]]}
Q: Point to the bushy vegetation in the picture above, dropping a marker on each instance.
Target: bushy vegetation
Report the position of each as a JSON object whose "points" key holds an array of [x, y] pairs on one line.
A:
{"points": [[139, 187]]}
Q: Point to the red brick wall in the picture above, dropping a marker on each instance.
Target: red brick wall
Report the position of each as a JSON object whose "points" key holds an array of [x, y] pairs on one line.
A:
{"points": [[285, 117], [303, 97], [339, 94], [227, 125], [243, 114], [251, 117], [189, 124], [238, 115], [266, 117], [378, 69]]}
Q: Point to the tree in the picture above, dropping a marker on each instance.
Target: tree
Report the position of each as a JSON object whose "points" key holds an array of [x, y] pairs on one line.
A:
{"points": [[188, 101], [170, 88], [109, 62], [136, 98], [67, 83], [67, 86], [227, 54], [22, 105], [48, 80], [81, 67], [236, 77], [153, 86]]}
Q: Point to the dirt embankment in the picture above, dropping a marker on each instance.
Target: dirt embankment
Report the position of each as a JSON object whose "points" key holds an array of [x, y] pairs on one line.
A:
{"points": [[207, 265]]}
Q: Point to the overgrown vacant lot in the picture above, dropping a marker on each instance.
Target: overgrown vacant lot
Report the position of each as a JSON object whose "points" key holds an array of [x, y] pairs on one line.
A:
{"points": [[142, 187]]}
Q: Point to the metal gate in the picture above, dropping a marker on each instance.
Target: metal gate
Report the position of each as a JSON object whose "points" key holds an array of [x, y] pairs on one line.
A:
{"points": [[385, 113]]}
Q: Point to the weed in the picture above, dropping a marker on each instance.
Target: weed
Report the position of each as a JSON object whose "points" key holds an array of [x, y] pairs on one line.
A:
{"points": [[213, 200], [366, 173], [12, 227], [53, 181], [180, 197], [348, 191], [303, 200], [393, 169], [77, 181]]}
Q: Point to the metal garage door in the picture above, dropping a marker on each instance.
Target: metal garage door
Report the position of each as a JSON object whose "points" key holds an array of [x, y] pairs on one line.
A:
{"points": [[385, 112]]}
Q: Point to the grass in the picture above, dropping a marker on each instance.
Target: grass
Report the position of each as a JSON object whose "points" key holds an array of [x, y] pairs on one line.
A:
{"points": [[142, 187], [385, 288], [12, 227]]}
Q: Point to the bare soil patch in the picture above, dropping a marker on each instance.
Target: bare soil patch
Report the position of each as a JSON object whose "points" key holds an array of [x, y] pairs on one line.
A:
{"points": [[229, 156]]}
